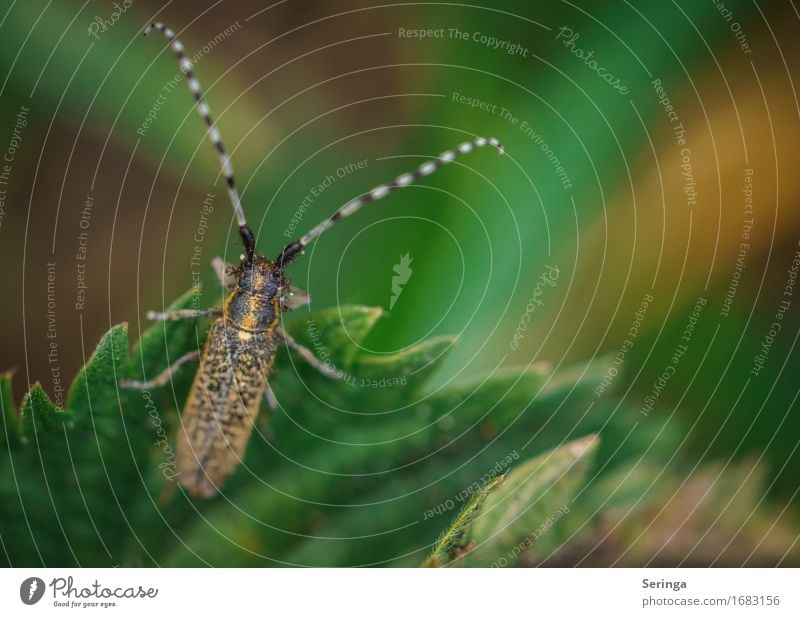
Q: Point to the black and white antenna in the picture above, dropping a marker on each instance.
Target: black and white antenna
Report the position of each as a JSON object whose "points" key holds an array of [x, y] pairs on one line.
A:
{"points": [[293, 249], [213, 133]]}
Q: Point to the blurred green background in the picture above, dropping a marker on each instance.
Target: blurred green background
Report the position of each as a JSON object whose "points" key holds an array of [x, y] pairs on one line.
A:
{"points": [[301, 90]]}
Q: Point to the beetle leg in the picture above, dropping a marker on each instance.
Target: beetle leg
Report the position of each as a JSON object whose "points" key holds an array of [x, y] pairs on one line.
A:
{"points": [[326, 369], [269, 396], [183, 314], [223, 271], [163, 377], [294, 298], [264, 426]]}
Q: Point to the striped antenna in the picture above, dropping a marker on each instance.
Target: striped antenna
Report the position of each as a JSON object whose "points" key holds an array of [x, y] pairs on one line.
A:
{"points": [[213, 133], [293, 249]]}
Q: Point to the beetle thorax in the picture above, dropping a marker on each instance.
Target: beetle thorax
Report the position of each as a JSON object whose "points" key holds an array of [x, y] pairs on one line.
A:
{"points": [[254, 302]]}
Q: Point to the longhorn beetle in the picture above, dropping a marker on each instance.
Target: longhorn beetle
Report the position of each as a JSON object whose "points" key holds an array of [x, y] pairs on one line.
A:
{"points": [[238, 354]]}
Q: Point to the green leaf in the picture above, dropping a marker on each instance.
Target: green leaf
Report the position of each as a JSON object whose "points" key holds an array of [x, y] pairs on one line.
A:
{"points": [[320, 486], [40, 419], [94, 390], [409, 361], [79, 474], [456, 541], [8, 411], [486, 404], [437, 437], [336, 332], [396, 378], [515, 517]]}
